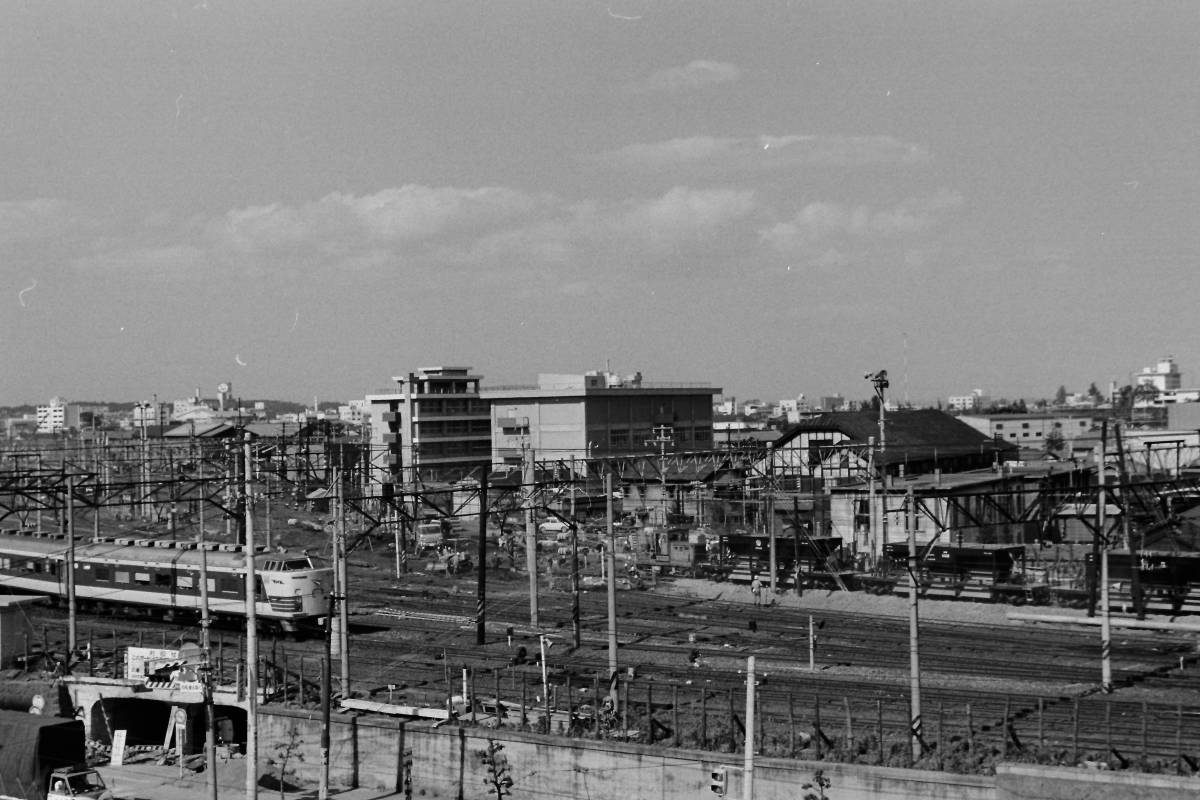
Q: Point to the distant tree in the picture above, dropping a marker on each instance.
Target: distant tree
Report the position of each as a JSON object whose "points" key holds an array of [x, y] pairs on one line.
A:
{"points": [[1021, 409], [1093, 393], [1054, 442], [1060, 397]]}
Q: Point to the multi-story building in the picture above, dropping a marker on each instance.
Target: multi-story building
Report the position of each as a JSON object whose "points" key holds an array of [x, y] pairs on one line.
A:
{"points": [[352, 412], [434, 427], [1031, 430], [599, 414], [1164, 376], [975, 401], [58, 416]]}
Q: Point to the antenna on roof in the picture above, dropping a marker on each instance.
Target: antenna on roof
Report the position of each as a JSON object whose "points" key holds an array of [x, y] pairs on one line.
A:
{"points": [[906, 370]]}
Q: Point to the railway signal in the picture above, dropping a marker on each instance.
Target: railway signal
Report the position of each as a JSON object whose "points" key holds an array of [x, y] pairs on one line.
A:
{"points": [[717, 781]]}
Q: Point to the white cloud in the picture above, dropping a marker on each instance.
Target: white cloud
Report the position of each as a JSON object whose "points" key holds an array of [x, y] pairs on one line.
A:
{"points": [[694, 75], [818, 223], [405, 214], [749, 153]]}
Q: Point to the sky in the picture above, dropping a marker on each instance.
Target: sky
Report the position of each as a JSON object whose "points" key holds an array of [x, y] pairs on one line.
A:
{"points": [[305, 199]]}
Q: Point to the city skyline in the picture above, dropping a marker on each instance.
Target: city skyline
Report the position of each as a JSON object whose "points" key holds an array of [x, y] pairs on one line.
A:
{"points": [[768, 197]]}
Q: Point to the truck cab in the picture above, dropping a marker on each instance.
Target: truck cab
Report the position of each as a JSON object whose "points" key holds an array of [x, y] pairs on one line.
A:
{"points": [[77, 783]]}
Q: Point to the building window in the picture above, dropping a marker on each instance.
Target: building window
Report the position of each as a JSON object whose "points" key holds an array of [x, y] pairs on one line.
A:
{"points": [[999, 426]]}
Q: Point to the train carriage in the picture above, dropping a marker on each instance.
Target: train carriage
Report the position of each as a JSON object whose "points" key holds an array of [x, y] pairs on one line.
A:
{"points": [[291, 587]]}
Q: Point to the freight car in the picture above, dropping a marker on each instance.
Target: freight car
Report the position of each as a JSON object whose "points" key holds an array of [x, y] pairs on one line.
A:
{"points": [[291, 588], [977, 572], [1167, 582], [816, 561]]}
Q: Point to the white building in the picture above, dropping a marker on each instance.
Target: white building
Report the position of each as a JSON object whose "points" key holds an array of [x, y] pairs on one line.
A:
{"points": [[352, 412], [1030, 430], [1164, 376], [975, 401], [58, 416]]}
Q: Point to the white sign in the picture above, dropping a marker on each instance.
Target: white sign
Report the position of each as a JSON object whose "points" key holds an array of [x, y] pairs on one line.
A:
{"points": [[117, 758], [141, 661]]}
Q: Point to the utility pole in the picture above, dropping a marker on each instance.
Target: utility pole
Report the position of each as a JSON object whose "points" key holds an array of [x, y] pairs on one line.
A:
{"points": [[251, 637], [527, 480], [662, 438], [577, 638], [72, 638], [914, 660], [1101, 523], [872, 506], [210, 722], [481, 567], [748, 755], [880, 381], [339, 533], [611, 556], [769, 507], [1135, 582], [326, 700]]}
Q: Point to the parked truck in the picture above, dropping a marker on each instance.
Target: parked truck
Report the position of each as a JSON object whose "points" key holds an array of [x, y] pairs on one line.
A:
{"points": [[43, 758]]}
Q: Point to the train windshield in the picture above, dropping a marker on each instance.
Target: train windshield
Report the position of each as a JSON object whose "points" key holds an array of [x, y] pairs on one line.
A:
{"points": [[293, 564]]}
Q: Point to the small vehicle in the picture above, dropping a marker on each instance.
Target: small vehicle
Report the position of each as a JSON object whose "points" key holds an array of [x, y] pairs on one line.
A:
{"points": [[430, 535], [553, 526], [67, 783]]}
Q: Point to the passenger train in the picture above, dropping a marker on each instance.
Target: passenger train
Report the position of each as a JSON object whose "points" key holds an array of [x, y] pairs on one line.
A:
{"points": [[115, 573]]}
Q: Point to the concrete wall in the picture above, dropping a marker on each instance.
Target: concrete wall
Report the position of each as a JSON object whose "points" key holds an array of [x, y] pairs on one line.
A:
{"points": [[1025, 781], [447, 763]]}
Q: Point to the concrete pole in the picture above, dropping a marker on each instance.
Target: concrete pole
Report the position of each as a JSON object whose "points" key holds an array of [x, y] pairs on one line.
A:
{"points": [[914, 661], [748, 756], [611, 557], [527, 479], [251, 638]]}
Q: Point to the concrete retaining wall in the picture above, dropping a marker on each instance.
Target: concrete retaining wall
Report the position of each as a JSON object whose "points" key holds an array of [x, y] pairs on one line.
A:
{"points": [[447, 763]]}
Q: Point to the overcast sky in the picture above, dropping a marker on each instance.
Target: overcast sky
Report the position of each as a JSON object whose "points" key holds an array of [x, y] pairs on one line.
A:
{"points": [[774, 198]]}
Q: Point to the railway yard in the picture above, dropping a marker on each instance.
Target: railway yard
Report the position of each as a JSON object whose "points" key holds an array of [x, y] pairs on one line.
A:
{"points": [[992, 689], [831, 647]]}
